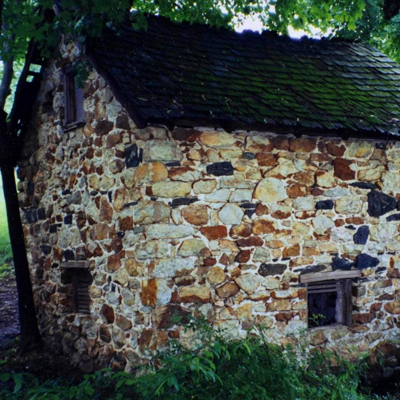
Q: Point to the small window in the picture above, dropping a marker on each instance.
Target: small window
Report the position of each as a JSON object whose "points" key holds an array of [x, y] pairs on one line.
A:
{"points": [[329, 297], [76, 275], [73, 100]]}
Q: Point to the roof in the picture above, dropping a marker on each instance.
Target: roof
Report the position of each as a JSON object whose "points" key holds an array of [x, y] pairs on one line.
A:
{"points": [[179, 74]]}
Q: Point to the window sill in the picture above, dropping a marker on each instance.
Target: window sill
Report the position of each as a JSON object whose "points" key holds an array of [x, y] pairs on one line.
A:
{"points": [[73, 125]]}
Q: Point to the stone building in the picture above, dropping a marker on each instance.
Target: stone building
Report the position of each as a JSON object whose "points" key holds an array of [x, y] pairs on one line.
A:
{"points": [[252, 179]]}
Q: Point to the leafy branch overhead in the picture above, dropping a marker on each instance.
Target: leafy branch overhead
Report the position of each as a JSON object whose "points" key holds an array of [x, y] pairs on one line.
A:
{"points": [[377, 21]]}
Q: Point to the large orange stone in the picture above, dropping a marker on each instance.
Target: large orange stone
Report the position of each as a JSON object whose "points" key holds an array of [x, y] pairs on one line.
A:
{"points": [[214, 232], [292, 251], [342, 169], [227, 290], [149, 292], [196, 214], [303, 145], [195, 294], [262, 226]]}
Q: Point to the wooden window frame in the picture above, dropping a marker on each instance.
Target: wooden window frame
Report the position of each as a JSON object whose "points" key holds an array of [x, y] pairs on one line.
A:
{"points": [[336, 281], [73, 100], [80, 288]]}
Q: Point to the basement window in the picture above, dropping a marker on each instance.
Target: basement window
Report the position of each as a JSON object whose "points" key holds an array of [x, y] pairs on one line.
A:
{"points": [[329, 297], [73, 100], [77, 277]]}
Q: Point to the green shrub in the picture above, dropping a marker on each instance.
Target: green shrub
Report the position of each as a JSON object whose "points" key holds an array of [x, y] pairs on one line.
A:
{"points": [[218, 369]]}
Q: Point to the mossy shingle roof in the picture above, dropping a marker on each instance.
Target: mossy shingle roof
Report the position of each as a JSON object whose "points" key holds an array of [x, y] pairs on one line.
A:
{"points": [[191, 75]]}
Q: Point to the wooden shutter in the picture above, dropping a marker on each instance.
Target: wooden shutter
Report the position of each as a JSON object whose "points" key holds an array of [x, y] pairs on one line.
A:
{"points": [[81, 280]]}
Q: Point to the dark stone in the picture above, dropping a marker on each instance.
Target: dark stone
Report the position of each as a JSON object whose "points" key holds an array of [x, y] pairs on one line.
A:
{"points": [[249, 156], [54, 228], [361, 236], [311, 269], [46, 249], [94, 193], [31, 215], [65, 192], [352, 227], [153, 198], [41, 213], [120, 235], [76, 198], [394, 217], [68, 219], [366, 261], [103, 127], [183, 201], [69, 255], [271, 269], [133, 203], [341, 263], [122, 122], [134, 156], [173, 164], [380, 203], [54, 265], [248, 206], [220, 169], [105, 334], [249, 212], [324, 205], [380, 269], [364, 185], [110, 197], [30, 188], [185, 135], [381, 146]]}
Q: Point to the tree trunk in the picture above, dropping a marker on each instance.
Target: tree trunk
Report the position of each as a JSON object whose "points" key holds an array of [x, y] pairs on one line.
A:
{"points": [[30, 335]]}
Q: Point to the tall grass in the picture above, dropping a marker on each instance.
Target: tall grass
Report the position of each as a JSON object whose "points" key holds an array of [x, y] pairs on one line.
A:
{"points": [[215, 369]]}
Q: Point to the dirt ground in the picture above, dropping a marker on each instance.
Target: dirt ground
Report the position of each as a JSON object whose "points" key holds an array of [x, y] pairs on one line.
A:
{"points": [[9, 326]]}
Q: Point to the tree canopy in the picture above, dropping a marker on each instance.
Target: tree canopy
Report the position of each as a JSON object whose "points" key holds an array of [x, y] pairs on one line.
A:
{"points": [[376, 21]]}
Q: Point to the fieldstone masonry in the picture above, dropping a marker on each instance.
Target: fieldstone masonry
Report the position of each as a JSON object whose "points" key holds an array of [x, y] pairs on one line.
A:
{"points": [[203, 222]]}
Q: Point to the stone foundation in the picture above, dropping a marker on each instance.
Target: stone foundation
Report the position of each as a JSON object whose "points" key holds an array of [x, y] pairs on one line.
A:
{"points": [[201, 221]]}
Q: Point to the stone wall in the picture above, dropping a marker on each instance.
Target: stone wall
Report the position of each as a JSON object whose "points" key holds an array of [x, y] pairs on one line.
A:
{"points": [[219, 224]]}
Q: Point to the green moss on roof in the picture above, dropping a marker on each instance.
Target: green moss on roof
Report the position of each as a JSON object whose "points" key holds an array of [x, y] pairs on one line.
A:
{"points": [[250, 80]]}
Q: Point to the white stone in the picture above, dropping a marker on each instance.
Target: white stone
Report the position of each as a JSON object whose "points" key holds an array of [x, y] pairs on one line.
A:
{"points": [[285, 168], [168, 267], [271, 283], [304, 203], [348, 205], [384, 231], [218, 195], [391, 182], [164, 292], [231, 214], [337, 192], [240, 195], [161, 150], [322, 223], [152, 249], [161, 231], [270, 190], [261, 255], [248, 282]]}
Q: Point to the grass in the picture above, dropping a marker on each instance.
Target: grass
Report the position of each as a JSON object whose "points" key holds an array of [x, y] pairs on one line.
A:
{"points": [[5, 247], [214, 369]]}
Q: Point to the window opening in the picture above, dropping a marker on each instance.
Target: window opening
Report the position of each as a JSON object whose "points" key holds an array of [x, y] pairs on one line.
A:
{"points": [[77, 277], [73, 99], [329, 297]]}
